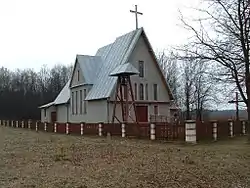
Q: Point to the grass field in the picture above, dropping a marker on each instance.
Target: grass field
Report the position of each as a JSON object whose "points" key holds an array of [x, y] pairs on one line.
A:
{"points": [[30, 159]]}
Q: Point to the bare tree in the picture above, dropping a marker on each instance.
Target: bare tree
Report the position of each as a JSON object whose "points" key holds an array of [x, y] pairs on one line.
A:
{"points": [[221, 36]]}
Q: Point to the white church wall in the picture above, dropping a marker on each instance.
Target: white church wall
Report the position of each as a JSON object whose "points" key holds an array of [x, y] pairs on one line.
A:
{"points": [[62, 113], [46, 116]]}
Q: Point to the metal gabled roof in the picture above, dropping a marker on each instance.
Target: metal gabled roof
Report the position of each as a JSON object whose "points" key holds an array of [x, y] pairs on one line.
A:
{"points": [[89, 66], [64, 95], [47, 105], [126, 68], [118, 54]]}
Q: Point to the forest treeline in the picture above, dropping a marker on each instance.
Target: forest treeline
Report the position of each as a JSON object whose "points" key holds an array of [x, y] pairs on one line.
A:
{"points": [[23, 91]]}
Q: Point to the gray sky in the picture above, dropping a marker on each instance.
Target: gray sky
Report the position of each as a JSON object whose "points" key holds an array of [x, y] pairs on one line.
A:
{"points": [[36, 32]]}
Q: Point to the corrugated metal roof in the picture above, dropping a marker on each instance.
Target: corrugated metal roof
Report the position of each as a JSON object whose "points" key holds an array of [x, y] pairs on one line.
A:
{"points": [[47, 105], [126, 68], [64, 95], [90, 66], [118, 54]]}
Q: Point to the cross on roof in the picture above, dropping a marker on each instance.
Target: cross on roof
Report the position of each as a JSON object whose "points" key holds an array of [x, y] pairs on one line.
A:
{"points": [[136, 13]]}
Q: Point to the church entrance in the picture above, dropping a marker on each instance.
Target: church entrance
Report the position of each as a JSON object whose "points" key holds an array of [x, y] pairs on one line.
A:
{"points": [[142, 113]]}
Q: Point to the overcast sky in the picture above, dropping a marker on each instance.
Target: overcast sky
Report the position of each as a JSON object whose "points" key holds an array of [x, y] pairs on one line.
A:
{"points": [[36, 32]]}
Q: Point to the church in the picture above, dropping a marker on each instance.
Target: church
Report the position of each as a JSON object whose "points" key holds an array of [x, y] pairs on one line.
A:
{"points": [[91, 93]]}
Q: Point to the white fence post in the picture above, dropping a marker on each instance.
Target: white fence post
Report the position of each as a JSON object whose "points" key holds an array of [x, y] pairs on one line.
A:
{"points": [[231, 128], [29, 122], [100, 129], [22, 124], [12, 123], [190, 131], [36, 126], [55, 127], [81, 128], [45, 126], [123, 130], [67, 128], [16, 124], [152, 131], [243, 127], [215, 130]]}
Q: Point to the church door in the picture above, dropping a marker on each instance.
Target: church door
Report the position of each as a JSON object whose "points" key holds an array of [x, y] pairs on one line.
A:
{"points": [[53, 117], [142, 113]]}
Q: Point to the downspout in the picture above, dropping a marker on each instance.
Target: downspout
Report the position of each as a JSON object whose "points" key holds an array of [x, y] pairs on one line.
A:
{"points": [[108, 101]]}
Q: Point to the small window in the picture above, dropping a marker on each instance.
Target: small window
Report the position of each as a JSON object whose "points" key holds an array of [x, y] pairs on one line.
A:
{"points": [[141, 91], [146, 91], [76, 102], [78, 75], [81, 101], [156, 110], [135, 91], [155, 92], [72, 102], [85, 102], [141, 68]]}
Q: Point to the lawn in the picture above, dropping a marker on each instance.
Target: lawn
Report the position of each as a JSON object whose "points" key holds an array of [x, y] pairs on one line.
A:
{"points": [[30, 159]]}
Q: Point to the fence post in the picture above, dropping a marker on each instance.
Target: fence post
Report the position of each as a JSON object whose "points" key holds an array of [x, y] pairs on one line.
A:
{"points": [[12, 123], [81, 128], [123, 130], [100, 129], [8, 122], [36, 126], [152, 131], [190, 131], [243, 127], [16, 124], [231, 128], [45, 126], [215, 130], [55, 127], [67, 128], [22, 124], [29, 124]]}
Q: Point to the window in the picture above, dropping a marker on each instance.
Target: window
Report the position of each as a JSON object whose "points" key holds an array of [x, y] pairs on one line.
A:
{"points": [[76, 102], [72, 102], [85, 104], [146, 90], [135, 91], [78, 75], [156, 110], [80, 101], [141, 68], [45, 112], [155, 92], [141, 92]]}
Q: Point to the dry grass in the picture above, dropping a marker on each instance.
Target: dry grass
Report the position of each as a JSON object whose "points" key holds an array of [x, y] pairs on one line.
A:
{"points": [[30, 159]]}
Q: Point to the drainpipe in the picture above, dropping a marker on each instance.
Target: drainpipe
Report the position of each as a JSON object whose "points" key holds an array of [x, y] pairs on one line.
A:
{"points": [[108, 101]]}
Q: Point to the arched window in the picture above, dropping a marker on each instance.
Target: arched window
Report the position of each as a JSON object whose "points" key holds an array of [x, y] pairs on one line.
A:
{"points": [[141, 92]]}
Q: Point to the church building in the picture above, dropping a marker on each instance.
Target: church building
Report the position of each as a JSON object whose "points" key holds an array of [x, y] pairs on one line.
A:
{"points": [[90, 94]]}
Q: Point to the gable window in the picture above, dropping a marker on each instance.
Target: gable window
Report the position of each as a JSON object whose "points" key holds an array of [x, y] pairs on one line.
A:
{"points": [[141, 92], [135, 91], [76, 102], [72, 102], [155, 89], [146, 91], [80, 101], [85, 102], [141, 68], [78, 76]]}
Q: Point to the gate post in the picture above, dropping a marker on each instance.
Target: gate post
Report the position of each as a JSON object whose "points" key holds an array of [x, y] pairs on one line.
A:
{"points": [[190, 131], [215, 130], [29, 123], [123, 130], [45, 126], [231, 129], [36, 126], [22, 124], [152, 131], [16, 124]]}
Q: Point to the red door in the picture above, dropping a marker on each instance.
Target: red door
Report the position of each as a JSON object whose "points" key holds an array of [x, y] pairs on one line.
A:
{"points": [[53, 116], [142, 113]]}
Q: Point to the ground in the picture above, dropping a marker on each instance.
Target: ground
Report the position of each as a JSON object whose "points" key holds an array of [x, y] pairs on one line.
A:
{"points": [[30, 159]]}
